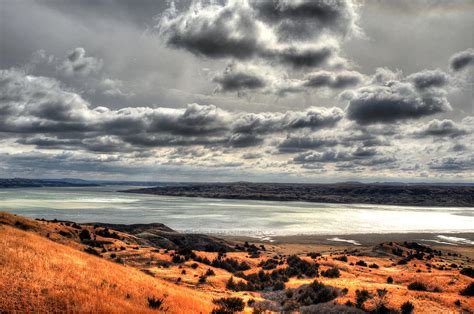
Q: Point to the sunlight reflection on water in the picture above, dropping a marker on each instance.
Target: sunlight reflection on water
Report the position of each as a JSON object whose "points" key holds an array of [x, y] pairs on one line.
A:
{"points": [[237, 217]]}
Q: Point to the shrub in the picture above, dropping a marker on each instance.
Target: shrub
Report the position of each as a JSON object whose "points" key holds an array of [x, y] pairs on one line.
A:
{"points": [[417, 286], [210, 272], [92, 251], [389, 280], [228, 305], [374, 266], [279, 285], [331, 273], [468, 271], [469, 290], [84, 235], [313, 255], [361, 297], [202, 279], [156, 303], [437, 289], [407, 307], [230, 284], [269, 264], [230, 264], [178, 259], [342, 258], [361, 263], [105, 233], [457, 302], [316, 293]]}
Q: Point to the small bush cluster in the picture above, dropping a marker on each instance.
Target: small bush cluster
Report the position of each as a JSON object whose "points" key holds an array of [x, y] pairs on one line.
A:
{"points": [[361, 263], [407, 308], [313, 255], [316, 293], [229, 264], [228, 305], [274, 280], [361, 297], [84, 235], [105, 233], [269, 264], [91, 251], [331, 273], [468, 271], [469, 290], [417, 286], [156, 303]]}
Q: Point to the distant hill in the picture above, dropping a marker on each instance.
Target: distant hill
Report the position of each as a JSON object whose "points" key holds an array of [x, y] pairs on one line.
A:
{"points": [[344, 193], [32, 183]]}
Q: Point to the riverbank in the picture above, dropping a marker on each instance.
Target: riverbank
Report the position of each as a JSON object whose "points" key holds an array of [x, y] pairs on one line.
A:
{"points": [[340, 193]]}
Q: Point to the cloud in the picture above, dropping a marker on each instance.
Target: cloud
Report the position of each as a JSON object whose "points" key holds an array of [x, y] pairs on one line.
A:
{"points": [[443, 128], [462, 60], [298, 34], [77, 64], [313, 118], [335, 80], [294, 144], [42, 106], [332, 156], [428, 79], [452, 164], [236, 78], [421, 94], [307, 19]]}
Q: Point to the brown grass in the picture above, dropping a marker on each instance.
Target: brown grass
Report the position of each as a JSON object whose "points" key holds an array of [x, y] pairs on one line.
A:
{"points": [[42, 271], [39, 275]]}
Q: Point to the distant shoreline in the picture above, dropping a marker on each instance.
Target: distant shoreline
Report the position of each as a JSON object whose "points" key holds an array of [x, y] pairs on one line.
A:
{"points": [[345, 193]]}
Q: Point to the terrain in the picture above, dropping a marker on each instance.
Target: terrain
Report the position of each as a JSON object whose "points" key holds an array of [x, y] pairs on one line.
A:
{"points": [[384, 193], [57, 266], [66, 182]]}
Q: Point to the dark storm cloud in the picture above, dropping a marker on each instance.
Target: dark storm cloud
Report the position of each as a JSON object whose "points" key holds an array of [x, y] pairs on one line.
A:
{"points": [[422, 94], [267, 30], [462, 59], [443, 128]]}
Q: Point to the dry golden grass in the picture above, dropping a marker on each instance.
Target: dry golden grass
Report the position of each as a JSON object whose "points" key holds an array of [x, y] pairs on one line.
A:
{"points": [[39, 275], [42, 271]]}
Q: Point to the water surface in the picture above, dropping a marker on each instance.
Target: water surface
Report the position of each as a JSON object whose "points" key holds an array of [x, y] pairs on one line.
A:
{"points": [[236, 217]]}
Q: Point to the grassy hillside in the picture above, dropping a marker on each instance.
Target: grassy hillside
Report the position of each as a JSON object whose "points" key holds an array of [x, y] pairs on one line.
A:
{"points": [[54, 266], [39, 275]]}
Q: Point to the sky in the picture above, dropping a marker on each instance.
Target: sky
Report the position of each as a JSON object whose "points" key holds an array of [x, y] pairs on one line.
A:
{"points": [[269, 90]]}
